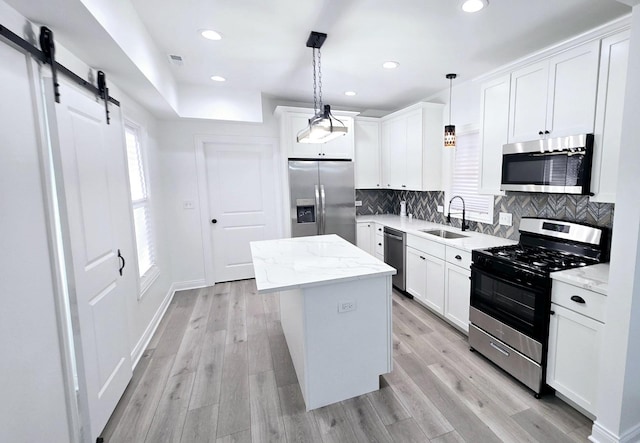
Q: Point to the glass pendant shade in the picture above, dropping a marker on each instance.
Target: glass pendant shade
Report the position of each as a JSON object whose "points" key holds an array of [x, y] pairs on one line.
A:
{"points": [[450, 130], [450, 136]]}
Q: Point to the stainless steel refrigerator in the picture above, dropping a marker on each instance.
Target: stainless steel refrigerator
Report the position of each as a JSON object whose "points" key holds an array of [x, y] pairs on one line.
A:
{"points": [[322, 198]]}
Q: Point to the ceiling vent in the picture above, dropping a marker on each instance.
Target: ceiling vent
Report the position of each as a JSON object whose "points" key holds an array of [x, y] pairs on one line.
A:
{"points": [[176, 60]]}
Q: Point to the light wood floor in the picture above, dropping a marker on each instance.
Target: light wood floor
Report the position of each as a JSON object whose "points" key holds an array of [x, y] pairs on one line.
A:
{"points": [[218, 370]]}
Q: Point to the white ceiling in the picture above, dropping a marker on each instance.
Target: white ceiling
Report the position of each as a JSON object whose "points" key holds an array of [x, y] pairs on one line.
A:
{"points": [[263, 49]]}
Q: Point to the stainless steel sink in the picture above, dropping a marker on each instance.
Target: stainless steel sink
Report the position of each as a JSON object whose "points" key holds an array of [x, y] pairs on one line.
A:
{"points": [[443, 233]]}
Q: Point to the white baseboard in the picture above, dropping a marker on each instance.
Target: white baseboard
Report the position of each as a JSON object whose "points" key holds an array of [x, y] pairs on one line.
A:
{"points": [[600, 434], [142, 344], [190, 284]]}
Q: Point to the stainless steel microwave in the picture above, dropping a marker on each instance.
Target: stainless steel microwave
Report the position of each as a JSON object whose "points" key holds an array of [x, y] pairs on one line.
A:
{"points": [[556, 165]]}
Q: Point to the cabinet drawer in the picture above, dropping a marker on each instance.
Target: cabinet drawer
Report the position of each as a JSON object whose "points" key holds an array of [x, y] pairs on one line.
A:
{"points": [[566, 295], [459, 257], [379, 229], [378, 248], [427, 246]]}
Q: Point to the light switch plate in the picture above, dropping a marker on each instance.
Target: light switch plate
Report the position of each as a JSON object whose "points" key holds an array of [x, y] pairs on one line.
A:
{"points": [[440, 208], [506, 219], [358, 203]]}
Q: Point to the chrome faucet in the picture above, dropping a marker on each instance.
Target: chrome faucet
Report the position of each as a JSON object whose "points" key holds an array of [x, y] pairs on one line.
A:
{"points": [[465, 226]]}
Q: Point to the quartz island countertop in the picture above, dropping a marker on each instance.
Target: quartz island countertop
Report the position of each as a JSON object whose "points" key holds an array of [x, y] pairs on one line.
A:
{"points": [[310, 261]]}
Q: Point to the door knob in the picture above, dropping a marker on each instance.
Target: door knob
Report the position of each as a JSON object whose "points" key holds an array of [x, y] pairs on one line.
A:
{"points": [[214, 221]]}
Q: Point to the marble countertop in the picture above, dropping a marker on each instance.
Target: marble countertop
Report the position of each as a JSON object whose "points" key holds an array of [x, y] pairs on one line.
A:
{"points": [[474, 240], [594, 278], [311, 261]]}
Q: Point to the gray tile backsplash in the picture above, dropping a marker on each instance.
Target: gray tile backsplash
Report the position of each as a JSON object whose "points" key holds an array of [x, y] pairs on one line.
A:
{"points": [[423, 205]]}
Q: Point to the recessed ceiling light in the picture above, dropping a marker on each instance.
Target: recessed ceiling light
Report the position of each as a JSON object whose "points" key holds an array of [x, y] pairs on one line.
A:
{"points": [[474, 5], [350, 93], [210, 34], [217, 78], [390, 65]]}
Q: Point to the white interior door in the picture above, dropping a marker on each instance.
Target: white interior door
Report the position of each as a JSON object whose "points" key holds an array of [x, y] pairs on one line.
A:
{"points": [[95, 218], [242, 201]]}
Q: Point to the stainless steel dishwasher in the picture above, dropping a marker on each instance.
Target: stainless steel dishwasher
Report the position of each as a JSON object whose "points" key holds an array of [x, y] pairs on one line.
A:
{"points": [[394, 255]]}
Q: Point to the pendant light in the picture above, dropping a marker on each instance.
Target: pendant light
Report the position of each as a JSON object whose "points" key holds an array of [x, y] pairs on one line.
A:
{"points": [[323, 126], [450, 130]]}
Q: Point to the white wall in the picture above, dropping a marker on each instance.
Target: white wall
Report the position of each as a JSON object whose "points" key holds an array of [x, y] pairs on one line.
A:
{"points": [[619, 384], [178, 169]]}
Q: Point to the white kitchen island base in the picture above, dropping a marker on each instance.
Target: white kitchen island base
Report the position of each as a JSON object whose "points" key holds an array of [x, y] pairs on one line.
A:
{"points": [[338, 355], [335, 310]]}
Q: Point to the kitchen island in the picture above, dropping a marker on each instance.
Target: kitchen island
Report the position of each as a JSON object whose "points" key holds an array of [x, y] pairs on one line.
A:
{"points": [[335, 309]]}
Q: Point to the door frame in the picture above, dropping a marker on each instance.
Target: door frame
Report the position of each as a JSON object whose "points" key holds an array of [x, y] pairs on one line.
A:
{"points": [[203, 189]]}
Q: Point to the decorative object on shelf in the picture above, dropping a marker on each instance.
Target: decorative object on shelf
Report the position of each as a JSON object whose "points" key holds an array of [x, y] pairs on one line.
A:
{"points": [[450, 130], [323, 126]]}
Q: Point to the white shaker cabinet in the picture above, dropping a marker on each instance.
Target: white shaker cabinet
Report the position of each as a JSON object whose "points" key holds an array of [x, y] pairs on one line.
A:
{"points": [[368, 147], [365, 236], [493, 133], [608, 127], [555, 97], [412, 144], [293, 120], [575, 333], [457, 288], [425, 272]]}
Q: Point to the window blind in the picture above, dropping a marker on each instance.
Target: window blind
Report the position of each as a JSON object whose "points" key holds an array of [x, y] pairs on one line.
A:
{"points": [[466, 175], [140, 202]]}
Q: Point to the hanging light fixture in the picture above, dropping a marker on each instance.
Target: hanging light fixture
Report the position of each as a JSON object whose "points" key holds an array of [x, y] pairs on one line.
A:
{"points": [[450, 130], [323, 126]]}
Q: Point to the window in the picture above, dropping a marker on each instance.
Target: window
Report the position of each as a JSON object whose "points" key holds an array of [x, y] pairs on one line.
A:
{"points": [[141, 209], [466, 178]]}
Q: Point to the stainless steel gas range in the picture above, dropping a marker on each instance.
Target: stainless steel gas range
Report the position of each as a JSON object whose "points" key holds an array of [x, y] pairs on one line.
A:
{"points": [[511, 293]]}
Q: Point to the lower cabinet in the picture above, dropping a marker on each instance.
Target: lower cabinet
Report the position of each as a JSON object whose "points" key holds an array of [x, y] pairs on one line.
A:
{"points": [[425, 279], [365, 236], [572, 366], [457, 293]]}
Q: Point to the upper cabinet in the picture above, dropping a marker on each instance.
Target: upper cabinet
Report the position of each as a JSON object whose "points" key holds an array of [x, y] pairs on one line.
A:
{"points": [[555, 97], [494, 129], [293, 120], [412, 143], [368, 147], [611, 88]]}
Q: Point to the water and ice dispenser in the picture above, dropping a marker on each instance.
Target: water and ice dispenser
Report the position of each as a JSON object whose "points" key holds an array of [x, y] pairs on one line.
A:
{"points": [[306, 210]]}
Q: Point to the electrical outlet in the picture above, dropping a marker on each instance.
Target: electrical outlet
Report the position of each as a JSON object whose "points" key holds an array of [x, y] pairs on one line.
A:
{"points": [[440, 208], [506, 219], [346, 306], [358, 203], [188, 204]]}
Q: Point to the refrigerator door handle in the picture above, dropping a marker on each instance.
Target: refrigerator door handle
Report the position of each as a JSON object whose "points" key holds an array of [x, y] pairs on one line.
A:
{"points": [[318, 219], [324, 211]]}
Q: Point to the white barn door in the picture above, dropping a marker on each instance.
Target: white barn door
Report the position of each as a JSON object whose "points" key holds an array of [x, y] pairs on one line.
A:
{"points": [[242, 202], [95, 218]]}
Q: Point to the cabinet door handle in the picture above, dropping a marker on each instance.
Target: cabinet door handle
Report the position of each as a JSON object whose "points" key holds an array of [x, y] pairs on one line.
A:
{"points": [[552, 312], [577, 299], [422, 258], [540, 133], [457, 257], [547, 132], [379, 244], [404, 186]]}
